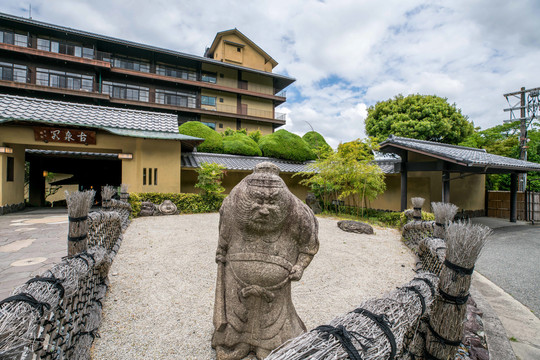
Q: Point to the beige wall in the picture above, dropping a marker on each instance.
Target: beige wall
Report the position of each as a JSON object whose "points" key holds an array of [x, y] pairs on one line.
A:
{"points": [[161, 154], [259, 107], [247, 56], [259, 83], [230, 76]]}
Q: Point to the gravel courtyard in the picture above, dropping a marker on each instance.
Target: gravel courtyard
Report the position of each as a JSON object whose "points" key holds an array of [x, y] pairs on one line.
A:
{"points": [[161, 295]]}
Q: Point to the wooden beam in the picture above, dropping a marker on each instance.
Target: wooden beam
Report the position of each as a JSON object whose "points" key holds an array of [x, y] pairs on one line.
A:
{"points": [[404, 157], [445, 187]]}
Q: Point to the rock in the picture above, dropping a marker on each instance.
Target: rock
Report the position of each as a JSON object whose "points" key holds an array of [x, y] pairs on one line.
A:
{"points": [[313, 203], [355, 226], [478, 353], [167, 207], [267, 237]]}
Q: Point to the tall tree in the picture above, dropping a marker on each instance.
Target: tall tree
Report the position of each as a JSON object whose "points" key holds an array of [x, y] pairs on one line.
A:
{"points": [[423, 117]]}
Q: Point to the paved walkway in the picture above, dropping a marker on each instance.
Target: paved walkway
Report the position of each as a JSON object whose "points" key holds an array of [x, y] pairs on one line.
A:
{"points": [[31, 242]]}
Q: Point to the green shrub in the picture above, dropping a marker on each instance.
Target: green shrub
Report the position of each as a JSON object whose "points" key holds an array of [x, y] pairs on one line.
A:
{"points": [[186, 203], [240, 144], [210, 176], [255, 135], [285, 145], [213, 141], [426, 216], [315, 140]]}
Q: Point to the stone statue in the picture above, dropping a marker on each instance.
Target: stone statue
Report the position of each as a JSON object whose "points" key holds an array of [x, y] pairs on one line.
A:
{"points": [[267, 237], [147, 208], [167, 207]]}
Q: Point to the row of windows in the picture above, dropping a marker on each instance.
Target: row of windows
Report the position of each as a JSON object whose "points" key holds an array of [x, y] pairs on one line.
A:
{"points": [[147, 176], [13, 72], [208, 100], [129, 64], [125, 91], [13, 38], [177, 98], [176, 72], [63, 47], [61, 79]]}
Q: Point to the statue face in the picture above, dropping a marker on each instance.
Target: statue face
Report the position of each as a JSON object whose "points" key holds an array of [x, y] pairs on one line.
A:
{"points": [[268, 208]]}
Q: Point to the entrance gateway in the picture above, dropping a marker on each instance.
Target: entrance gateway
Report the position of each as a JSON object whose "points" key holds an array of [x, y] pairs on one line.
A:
{"points": [[92, 145]]}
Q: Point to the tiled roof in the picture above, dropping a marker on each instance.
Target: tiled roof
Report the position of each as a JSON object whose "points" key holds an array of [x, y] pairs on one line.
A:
{"points": [[466, 156], [239, 162], [125, 122]]}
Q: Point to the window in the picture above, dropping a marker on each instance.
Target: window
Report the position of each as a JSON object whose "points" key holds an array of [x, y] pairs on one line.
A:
{"points": [[149, 172], [209, 77], [64, 47], [211, 125], [130, 64], [13, 72], [208, 100], [178, 98], [144, 176], [10, 173], [176, 72], [155, 176], [220, 125], [220, 100], [61, 79], [10, 37], [125, 91]]}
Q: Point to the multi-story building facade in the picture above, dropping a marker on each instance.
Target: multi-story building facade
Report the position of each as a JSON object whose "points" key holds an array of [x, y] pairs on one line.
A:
{"points": [[231, 86]]}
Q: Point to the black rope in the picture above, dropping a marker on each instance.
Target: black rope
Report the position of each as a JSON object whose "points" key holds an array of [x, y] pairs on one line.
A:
{"points": [[441, 339], [420, 296], [382, 322], [30, 300], [77, 238], [440, 224], [458, 269], [451, 299], [77, 219], [417, 217], [345, 339], [440, 248], [417, 208], [429, 284], [51, 280]]}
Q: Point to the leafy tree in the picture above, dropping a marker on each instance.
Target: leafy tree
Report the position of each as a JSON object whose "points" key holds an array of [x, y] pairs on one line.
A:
{"points": [[209, 179], [423, 117], [347, 172], [240, 144], [315, 141], [285, 145], [213, 141], [255, 135]]}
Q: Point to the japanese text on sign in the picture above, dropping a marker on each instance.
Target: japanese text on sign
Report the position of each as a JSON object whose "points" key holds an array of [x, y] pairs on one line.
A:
{"points": [[65, 135]]}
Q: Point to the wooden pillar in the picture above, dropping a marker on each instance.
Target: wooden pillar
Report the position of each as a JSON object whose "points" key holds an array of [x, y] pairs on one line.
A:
{"points": [[513, 197], [445, 187], [404, 159]]}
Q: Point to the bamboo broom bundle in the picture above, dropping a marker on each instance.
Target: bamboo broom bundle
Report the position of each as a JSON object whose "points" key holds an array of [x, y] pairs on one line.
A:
{"points": [[464, 243], [375, 330], [417, 203], [79, 204], [444, 213]]}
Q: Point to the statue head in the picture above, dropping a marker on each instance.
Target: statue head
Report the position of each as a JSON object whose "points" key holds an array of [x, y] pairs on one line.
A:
{"points": [[263, 199]]}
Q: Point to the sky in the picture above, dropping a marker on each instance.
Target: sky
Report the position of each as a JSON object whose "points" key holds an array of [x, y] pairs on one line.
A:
{"points": [[346, 55]]}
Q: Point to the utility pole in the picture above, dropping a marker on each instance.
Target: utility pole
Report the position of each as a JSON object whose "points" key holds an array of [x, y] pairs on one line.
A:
{"points": [[528, 105]]}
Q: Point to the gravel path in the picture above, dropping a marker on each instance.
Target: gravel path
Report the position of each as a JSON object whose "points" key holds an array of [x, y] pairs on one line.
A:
{"points": [[161, 296]]}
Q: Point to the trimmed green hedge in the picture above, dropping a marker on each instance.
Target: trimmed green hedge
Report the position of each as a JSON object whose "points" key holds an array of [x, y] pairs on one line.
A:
{"points": [[240, 144], [388, 218], [186, 203], [315, 140], [213, 141], [285, 145]]}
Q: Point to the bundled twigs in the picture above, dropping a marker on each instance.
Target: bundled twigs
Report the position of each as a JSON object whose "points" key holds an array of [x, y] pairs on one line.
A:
{"points": [[417, 203], [56, 315], [375, 330], [107, 192], [79, 204], [464, 243], [124, 195], [444, 213]]}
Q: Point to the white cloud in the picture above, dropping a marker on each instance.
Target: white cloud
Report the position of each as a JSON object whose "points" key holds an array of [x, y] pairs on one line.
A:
{"points": [[345, 54]]}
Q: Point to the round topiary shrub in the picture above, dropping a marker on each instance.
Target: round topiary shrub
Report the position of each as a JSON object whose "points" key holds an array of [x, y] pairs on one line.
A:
{"points": [[240, 144], [315, 140], [285, 145], [213, 141]]}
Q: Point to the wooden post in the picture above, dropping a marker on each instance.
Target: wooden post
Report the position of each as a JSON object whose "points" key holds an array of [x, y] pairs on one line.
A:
{"points": [[79, 204], [445, 187], [513, 197], [404, 159]]}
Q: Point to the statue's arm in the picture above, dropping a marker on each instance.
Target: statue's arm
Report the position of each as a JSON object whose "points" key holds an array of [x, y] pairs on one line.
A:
{"points": [[308, 244], [223, 244]]}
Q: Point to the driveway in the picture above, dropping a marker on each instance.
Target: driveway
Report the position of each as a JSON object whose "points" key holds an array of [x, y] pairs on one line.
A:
{"points": [[510, 259], [31, 242]]}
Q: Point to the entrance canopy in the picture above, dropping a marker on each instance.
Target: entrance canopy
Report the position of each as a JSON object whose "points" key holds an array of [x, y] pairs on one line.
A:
{"points": [[421, 155]]}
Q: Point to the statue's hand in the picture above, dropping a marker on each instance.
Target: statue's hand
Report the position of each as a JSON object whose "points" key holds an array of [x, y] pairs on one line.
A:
{"points": [[296, 273], [220, 259]]}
